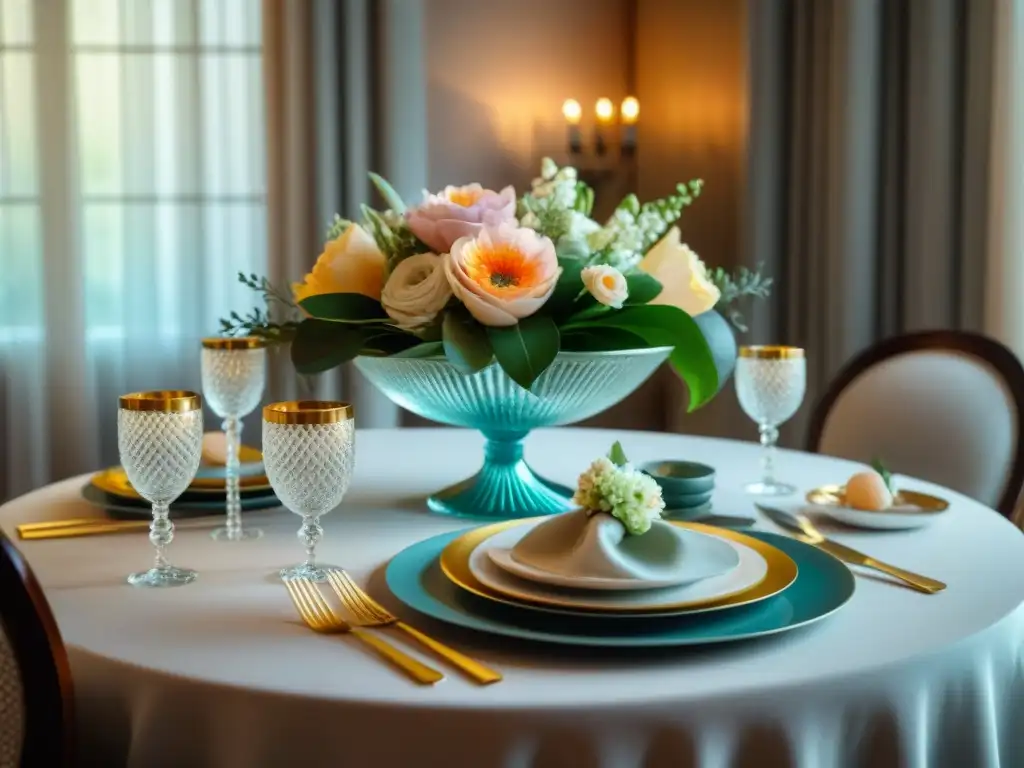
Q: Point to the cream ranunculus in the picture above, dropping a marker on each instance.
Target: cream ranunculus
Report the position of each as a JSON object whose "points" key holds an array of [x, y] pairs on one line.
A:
{"points": [[683, 276], [351, 263], [416, 290], [503, 273], [606, 284]]}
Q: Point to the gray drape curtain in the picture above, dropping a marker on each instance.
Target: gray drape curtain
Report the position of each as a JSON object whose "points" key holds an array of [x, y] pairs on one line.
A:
{"points": [[868, 171], [345, 95]]}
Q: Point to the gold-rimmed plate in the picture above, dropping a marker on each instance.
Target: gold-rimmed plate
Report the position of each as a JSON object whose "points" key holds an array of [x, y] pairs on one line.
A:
{"points": [[115, 481], [911, 509], [780, 572]]}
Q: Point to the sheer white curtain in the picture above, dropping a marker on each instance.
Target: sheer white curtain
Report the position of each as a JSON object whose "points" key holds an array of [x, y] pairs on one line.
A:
{"points": [[132, 186]]}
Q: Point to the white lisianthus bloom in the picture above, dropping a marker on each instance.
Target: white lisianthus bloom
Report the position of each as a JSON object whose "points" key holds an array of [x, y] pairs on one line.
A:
{"points": [[416, 290], [625, 493], [683, 276], [606, 284]]}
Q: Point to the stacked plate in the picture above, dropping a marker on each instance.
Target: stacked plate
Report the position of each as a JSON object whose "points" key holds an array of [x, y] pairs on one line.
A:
{"points": [[752, 584], [206, 495]]}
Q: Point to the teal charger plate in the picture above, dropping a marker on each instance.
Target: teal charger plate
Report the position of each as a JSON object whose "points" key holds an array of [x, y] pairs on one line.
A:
{"points": [[823, 585], [120, 508]]}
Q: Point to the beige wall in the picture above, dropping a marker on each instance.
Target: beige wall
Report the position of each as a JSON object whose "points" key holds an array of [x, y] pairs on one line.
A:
{"points": [[498, 72], [691, 80]]}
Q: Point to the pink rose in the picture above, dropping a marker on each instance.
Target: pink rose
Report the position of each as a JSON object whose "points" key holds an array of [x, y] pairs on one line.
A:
{"points": [[460, 212]]}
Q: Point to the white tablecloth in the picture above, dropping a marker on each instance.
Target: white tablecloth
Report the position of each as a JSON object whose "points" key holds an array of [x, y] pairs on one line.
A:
{"points": [[220, 673]]}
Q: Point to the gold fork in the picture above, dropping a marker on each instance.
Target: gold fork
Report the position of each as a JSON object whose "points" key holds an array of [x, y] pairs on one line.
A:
{"points": [[367, 612], [320, 617]]}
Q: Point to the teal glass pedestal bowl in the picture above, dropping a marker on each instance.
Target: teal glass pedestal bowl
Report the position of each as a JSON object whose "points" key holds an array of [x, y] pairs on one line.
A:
{"points": [[577, 385]]}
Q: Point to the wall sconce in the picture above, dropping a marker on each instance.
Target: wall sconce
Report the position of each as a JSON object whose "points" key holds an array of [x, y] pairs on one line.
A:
{"points": [[573, 113], [604, 122], [604, 112], [630, 112]]}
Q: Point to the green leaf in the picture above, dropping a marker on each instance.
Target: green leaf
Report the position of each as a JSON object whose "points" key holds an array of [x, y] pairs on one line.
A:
{"points": [[600, 339], [320, 345], [643, 288], [388, 342], [568, 287], [617, 455], [526, 349], [661, 325], [391, 197], [345, 308], [879, 467], [426, 349], [595, 309], [465, 342]]}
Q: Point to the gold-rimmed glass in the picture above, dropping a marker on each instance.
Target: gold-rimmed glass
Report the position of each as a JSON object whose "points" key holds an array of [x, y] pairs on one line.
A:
{"points": [[234, 373], [160, 440], [309, 453], [770, 385]]}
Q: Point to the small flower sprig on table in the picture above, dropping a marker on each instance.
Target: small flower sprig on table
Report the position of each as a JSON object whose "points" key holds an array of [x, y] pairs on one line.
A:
{"points": [[610, 484]]}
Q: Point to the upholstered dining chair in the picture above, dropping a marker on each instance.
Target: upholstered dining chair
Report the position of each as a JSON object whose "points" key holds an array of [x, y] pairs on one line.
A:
{"points": [[36, 700], [945, 406]]}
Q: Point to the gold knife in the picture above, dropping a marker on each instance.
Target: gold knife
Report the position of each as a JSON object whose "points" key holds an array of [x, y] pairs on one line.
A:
{"points": [[812, 535]]}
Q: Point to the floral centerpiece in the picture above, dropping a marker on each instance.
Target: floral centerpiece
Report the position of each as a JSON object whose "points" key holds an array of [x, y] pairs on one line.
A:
{"points": [[502, 290]]}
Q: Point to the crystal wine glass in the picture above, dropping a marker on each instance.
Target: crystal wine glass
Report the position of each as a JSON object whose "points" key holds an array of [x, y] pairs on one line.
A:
{"points": [[160, 439], [234, 373], [770, 384], [308, 452]]}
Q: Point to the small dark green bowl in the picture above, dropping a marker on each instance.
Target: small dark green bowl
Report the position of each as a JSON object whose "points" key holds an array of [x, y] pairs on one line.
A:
{"points": [[685, 500], [681, 478]]}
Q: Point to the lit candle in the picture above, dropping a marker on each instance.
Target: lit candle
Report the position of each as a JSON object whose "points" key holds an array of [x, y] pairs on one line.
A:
{"points": [[630, 112], [605, 112], [572, 111]]}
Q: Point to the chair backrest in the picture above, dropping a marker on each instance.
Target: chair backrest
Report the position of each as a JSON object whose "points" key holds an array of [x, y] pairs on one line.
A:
{"points": [[945, 406], [36, 697]]}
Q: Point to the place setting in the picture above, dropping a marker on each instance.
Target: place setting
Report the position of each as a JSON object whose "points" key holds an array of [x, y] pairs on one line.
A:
{"points": [[612, 573], [229, 478]]}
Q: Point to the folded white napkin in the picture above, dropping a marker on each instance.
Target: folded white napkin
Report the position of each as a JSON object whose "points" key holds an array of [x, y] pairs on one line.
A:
{"points": [[580, 545]]}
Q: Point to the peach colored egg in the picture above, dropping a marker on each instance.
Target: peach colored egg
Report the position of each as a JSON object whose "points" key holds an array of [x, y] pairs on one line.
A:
{"points": [[867, 491]]}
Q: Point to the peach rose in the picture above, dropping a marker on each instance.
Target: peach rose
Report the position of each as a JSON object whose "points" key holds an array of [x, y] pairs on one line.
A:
{"points": [[351, 263], [683, 276], [460, 212], [503, 274]]}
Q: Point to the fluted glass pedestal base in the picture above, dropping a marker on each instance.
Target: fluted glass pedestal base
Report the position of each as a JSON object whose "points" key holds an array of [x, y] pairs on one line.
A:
{"points": [[765, 488], [309, 571], [229, 534], [168, 576], [505, 488]]}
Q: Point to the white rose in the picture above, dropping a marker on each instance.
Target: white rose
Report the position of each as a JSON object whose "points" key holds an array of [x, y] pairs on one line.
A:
{"points": [[683, 276], [606, 284], [416, 290]]}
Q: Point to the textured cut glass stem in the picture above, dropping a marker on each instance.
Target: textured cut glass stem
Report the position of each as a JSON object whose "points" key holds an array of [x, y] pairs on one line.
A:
{"points": [[769, 436], [161, 533], [310, 533], [232, 430]]}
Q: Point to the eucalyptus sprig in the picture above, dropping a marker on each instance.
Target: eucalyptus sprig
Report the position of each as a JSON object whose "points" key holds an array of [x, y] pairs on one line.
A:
{"points": [[733, 287], [276, 323]]}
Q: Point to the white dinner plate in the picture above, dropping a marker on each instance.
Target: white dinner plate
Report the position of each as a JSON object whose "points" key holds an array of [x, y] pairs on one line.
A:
{"points": [[704, 557], [749, 571], [917, 510]]}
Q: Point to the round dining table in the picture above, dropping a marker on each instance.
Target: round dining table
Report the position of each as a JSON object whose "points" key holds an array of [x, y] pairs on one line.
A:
{"points": [[222, 673]]}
